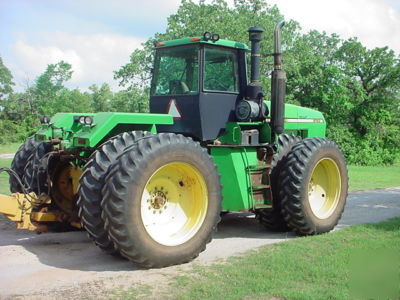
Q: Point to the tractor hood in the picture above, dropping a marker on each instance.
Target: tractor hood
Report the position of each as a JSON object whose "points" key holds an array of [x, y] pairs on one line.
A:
{"points": [[67, 129], [303, 121]]}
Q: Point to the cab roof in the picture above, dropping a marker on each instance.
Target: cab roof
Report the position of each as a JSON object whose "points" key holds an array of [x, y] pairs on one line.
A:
{"points": [[200, 40]]}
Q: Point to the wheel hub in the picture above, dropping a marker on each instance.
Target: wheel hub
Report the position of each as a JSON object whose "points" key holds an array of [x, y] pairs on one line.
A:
{"points": [[158, 199]]}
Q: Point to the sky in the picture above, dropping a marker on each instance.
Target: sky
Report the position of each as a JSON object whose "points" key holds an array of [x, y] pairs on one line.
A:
{"points": [[97, 36]]}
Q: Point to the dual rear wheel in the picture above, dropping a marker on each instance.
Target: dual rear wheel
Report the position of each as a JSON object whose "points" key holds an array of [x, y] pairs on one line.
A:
{"points": [[314, 186], [159, 202], [309, 186]]}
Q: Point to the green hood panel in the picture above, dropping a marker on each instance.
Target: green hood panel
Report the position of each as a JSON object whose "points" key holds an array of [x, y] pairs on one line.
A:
{"points": [[303, 121], [299, 112], [105, 124]]}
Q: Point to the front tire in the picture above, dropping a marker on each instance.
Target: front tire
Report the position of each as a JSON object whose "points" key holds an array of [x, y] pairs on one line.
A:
{"points": [[162, 200], [92, 181], [315, 184]]}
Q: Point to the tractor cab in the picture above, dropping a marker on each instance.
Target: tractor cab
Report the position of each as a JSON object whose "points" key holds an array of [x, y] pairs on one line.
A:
{"points": [[198, 81]]}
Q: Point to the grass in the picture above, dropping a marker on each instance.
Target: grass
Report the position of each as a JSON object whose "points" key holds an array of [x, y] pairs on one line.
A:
{"points": [[368, 178], [9, 148], [4, 187], [358, 262]]}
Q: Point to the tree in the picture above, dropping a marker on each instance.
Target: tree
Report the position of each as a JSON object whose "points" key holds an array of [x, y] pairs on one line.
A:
{"points": [[132, 100], [49, 86], [53, 79], [373, 81], [101, 97], [6, 81]]}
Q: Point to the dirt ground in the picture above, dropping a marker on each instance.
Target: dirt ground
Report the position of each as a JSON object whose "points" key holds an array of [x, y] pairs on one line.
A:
{"points": [[67, 265]]}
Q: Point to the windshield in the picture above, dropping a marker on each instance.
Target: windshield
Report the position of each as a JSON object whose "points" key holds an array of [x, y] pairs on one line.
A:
{"points": [[176, 71]]}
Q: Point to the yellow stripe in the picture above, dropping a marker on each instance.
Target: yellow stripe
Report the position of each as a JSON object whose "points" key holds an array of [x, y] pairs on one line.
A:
{"points": [[300, 120]]}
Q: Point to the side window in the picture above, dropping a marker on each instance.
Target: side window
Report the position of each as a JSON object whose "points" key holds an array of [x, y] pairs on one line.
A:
{"points": [[221, 70]]}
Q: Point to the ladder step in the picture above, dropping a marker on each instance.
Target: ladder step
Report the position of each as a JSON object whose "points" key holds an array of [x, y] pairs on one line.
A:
{"points": [[261, 187], [256, 168]]}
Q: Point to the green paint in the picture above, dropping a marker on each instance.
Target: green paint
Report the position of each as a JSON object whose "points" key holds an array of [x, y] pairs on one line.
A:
{"points": [[303, 128], [105, 122], [188, 41], [300, 121], [232, 165], [232, 135], [105, 125]]}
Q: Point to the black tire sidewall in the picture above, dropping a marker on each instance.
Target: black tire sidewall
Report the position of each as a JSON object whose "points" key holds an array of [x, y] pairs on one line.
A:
{"points": [[19, 162], [324, 225], [156, 253]]}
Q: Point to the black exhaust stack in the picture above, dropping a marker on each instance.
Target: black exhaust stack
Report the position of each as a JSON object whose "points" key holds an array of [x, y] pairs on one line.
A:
{"points": [[255, 37], [278, 84]]}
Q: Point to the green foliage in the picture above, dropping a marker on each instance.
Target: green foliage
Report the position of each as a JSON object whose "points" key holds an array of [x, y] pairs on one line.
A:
{"points": [[132, 100], [51, 81], [101, 97], [6, 82]]}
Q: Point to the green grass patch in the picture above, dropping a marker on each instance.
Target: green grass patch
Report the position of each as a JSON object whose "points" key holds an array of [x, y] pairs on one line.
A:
{"points": [[328, 266], [4, 186], [368, 178], [9, 148]]}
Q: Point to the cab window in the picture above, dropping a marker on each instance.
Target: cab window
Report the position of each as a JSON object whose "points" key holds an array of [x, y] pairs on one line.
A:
{"points": [[221, 70], [176, 71]]}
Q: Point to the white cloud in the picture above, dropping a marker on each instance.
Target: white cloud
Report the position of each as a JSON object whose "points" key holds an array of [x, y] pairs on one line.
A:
{"points": [[93, 57], [376, 23]]}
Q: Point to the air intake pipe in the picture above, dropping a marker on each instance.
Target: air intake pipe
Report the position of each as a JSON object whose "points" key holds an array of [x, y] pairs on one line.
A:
{"points": [[278, 84], [252, 107]]}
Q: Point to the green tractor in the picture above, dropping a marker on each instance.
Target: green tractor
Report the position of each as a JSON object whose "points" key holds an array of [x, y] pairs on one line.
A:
{"points": [[151, 187]]}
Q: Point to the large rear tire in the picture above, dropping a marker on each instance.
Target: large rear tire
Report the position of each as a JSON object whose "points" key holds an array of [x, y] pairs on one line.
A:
{"points": [[272, 218], [315, 184], [91, 183], [162, 200]]}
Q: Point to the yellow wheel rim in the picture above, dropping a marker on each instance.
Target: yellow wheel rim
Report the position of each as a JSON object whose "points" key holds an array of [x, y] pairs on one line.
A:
{"points": [[174, 203], [65, 186], [324, 188]]}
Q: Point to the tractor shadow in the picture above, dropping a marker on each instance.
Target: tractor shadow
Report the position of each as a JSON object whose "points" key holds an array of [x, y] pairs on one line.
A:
{"points": [[74, 251], [245, 225]]}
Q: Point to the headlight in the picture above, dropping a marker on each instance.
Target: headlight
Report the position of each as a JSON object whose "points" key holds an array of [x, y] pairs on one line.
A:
{"points": [[215, 37], [44, 119], [207, 35], [88, 120], [82, 120]]}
